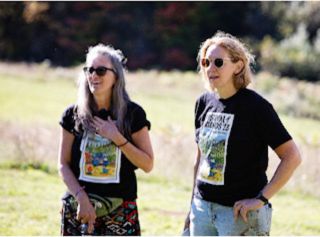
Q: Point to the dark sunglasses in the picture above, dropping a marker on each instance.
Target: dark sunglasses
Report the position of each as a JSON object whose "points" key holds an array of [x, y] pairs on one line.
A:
{"points": [[100, 71], [218, 62]]}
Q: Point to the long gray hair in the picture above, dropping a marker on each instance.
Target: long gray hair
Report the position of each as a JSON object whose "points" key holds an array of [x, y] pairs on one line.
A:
{"points": [[86, 105]]}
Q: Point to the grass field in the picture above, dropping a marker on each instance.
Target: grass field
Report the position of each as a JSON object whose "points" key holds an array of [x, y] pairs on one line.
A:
{"points": [[32, 98], [30, 205]]}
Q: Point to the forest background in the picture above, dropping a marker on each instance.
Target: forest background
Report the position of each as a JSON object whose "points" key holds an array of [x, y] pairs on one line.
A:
{"points": [[42, 50], [284, 36]]}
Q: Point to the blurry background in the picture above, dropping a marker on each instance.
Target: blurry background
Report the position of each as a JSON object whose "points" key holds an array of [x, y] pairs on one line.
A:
{"points": [[42, 50], [163, 35]]}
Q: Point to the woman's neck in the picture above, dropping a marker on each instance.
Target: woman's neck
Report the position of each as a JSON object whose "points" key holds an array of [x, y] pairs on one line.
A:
{"points": [[226, 93], [103, 101]]}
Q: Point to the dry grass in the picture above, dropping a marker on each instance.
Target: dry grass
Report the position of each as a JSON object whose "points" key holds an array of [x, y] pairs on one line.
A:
{"points": [[306, 178], [28, 144], [30, 137], [22, 144], [174, 154], [169, 99], [39, 72], [291, 97]]}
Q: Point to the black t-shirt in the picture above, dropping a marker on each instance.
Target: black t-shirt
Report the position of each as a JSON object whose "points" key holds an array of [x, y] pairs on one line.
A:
{"points": [[233, 137], [97, 163]]}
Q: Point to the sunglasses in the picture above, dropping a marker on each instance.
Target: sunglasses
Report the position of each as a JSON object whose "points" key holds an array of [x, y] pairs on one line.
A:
{"points": [[100, 71], [218, 62]]}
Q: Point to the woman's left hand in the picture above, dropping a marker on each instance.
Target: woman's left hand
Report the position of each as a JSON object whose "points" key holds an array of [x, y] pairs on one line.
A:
{"points": [[106, 128], [242, 207]]}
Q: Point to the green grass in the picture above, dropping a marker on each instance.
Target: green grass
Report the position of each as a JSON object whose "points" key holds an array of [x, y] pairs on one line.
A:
{"points": [[169, 104], [29, 202], [303, 129], [169, 98], [295, 214], [160, 110], [30, 199], [25, 101], [30, 205]]}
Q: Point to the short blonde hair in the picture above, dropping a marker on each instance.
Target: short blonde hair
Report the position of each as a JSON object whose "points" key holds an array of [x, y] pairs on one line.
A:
{"points": [[237, 51]]}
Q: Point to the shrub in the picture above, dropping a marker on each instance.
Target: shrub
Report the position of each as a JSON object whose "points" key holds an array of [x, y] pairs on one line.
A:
{"points": [[292, 57]]}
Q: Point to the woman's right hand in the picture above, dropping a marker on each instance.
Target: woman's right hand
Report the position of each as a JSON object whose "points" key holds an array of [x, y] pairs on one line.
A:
{"points": [[86, 212]]}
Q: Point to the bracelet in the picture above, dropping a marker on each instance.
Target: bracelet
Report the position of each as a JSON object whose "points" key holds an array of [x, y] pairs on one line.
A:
{"points": [[79, 191], [123, 143], [262, 198]]}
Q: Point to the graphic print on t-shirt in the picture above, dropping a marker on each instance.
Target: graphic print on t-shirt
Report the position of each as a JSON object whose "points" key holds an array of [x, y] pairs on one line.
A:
{"points": [[213, 142], [100, 159]]}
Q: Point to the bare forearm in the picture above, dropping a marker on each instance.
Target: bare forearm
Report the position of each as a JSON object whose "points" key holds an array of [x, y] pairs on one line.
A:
{"points": [[195, 171], [281, 177], [139, 151], [64, 160], [290, 160], [69, 179], [137, 157], [85, 211]]}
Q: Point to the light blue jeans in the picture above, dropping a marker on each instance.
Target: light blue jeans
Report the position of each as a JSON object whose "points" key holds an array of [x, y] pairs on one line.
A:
{"points": [[208, 218]]}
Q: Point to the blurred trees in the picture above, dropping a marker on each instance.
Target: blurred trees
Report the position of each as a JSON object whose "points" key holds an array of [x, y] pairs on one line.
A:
{"points": [[296, 54], [163, 35]]}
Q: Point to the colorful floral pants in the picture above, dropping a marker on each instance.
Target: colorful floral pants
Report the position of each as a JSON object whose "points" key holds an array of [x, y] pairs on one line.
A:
{"points": [[123, 220]]}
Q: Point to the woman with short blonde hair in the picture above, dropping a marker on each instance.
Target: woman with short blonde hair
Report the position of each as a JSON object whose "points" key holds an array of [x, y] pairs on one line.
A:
{"points": [[234, 126]]}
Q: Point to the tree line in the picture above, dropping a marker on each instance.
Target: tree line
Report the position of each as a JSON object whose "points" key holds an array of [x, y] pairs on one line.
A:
{"points": [[160, 35]]}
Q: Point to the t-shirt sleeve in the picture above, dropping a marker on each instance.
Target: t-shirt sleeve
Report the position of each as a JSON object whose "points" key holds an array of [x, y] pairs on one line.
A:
{"points": [[199, 108], [67, 120], [139, 119], [270, 126]]}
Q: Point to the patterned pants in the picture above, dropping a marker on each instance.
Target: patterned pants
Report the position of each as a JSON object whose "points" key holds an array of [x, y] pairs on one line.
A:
{"points": [[121, 221]]}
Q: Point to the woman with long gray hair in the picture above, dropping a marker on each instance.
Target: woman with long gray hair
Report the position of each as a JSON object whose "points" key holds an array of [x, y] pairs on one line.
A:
{"points": [[104, 139]]}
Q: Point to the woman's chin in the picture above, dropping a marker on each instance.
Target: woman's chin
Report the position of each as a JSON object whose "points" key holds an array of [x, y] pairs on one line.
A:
{"points": [[213, 84], [94, 89]]}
